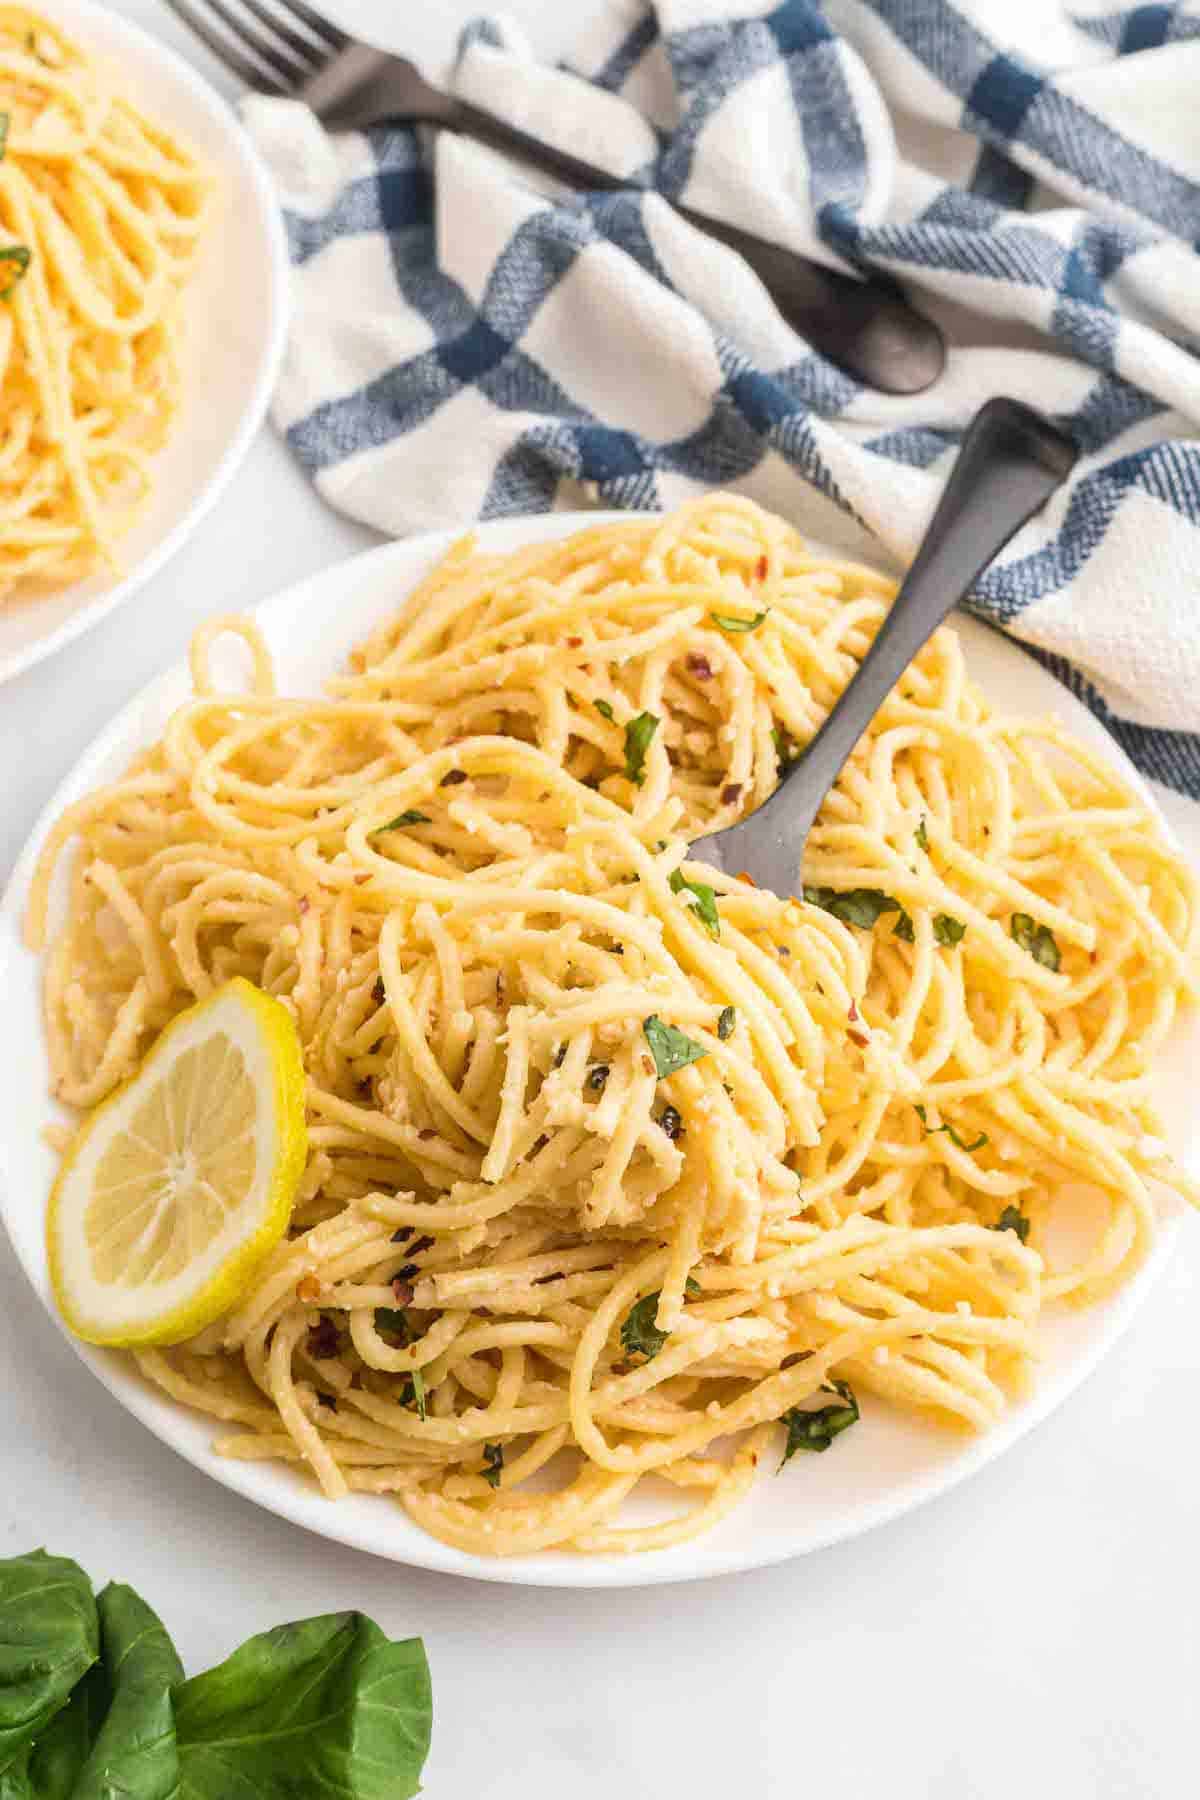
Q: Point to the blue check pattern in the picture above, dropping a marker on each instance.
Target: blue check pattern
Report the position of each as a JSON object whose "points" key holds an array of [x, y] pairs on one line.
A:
{"points": [[1046, 199]]}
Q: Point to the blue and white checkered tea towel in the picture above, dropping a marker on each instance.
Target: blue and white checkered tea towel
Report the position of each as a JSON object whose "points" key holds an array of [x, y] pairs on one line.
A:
{"points": [[467, 345]]}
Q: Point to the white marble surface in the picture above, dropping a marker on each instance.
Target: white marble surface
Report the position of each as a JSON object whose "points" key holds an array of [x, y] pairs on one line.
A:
{"points": [[1032, 1634]]}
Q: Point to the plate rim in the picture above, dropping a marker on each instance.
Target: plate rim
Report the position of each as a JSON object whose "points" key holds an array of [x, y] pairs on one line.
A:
{"points": [[71, 13], [299, 1504]]}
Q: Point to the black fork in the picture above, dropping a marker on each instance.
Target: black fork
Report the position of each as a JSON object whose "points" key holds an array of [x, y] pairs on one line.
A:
{"points": [[283, 47]]}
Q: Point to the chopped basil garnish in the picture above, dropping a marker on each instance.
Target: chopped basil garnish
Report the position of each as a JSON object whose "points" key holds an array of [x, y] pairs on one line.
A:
{"points": [[493, 1456], [932, 1131], [1037, 939], [1013, 1219], [413, 1393], [726, 1022], [704, 900], [856, 906], [903, 928], [411, 817], [816, 1429], [727, 623], [947, 930], [785, 748], [921, 835], [671, 1048], [640, 1336], [605, 710], [390, 1318], [638, 733], [20, 257]]}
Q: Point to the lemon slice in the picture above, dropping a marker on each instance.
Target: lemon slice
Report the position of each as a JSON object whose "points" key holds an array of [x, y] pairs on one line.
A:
{"points": [[182, 1181]]}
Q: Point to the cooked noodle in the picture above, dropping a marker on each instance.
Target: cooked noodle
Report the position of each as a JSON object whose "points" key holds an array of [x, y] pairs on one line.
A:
{"points": [[100, 217], [450, 872]]}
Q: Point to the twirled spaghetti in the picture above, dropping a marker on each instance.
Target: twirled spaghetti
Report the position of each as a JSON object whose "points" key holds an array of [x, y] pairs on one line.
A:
{"points": [[100, 217], [617, 1161]]}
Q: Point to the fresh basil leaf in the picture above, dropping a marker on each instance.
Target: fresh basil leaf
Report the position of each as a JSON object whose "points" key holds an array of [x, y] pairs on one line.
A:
{"points": [[932, 1131], [64, 1747], [393, 1319], [671, 1048], [727, 623], [16, 1783], [1037, 939], [726, 1022], [49, 1638], [493, 1456], [134, 1751], [947, 930], [20, 257], [692, 1288], [411, 817], [903, 928], [705, 899], [1013, 1219], [323, 1707], [855, 906], [815, 1429], [638, 734], [605, 710], [921, 835]]}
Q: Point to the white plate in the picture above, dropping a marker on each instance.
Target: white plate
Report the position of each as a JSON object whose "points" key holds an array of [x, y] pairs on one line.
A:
{"points": [[873, 1475], [236, 325]]}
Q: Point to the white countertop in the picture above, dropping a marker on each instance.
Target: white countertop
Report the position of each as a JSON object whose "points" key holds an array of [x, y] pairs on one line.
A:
{"points": [[1032, 1634]]}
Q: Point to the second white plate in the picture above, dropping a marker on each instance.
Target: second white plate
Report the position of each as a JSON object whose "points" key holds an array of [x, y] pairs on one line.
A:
{"points": [[236, 328], [874, 1475]]}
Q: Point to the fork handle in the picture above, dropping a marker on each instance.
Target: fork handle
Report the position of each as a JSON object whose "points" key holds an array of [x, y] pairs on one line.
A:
{"points": [[865, 326]]}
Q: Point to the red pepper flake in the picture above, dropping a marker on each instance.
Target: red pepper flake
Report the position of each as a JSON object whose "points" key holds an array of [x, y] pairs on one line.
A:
{"points": [[422, 1243], [748, 879], [699, 666], [305, 903], [408, 1273], [379, 992], [308, 1289], [402, 1236], [731, 793], [761, 570], [453, 777], [403, 1290], [858, 1031], [574, 643], [426, 1132], [324, 1339], [365, 876]]}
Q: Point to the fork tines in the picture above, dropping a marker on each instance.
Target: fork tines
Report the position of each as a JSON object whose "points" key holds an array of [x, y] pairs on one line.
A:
{"points": [[275, 45]]}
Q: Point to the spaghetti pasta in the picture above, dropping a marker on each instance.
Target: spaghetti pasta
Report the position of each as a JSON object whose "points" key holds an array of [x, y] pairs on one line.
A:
{"points": [[101, 212], [615, 1160]]}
